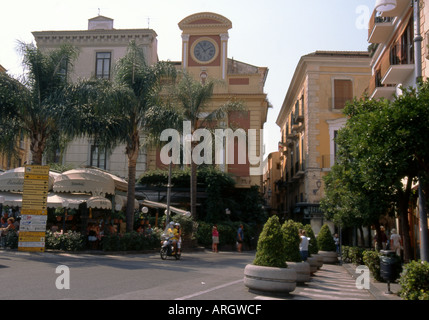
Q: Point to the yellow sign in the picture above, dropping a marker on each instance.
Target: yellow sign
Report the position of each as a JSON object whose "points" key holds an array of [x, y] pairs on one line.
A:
{"points": [[34, 212], [34, 208], [29, 236]]}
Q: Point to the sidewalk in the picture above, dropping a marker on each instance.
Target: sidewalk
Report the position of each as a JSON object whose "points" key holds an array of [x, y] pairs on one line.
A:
{"points": [[377, 289]]}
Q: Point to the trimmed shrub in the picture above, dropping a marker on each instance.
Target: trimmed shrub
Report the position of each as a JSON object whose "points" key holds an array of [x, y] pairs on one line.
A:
{"points": [[132, 241], [345, 254], [271, 249], [325, 241], [355, 255], [227, 233], [414, 281], [371, 259], [292, 240], [70, 241], [313, 247]]}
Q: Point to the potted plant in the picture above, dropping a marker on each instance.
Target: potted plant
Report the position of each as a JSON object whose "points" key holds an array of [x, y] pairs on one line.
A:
{"points": [[59, 213], [293, 257], [314, 259], [326, 244], [269, 271]]}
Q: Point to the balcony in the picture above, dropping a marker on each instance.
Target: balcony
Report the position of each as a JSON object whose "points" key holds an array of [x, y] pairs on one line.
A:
{"points": [[299, 170], [401, 64], [380, 28], [381, 90]]}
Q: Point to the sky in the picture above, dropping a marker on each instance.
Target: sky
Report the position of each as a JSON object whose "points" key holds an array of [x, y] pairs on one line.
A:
{"points": [[270, 33]]}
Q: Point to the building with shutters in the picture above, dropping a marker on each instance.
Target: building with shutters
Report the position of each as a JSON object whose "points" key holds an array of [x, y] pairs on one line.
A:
{"points": [[310, 117]]}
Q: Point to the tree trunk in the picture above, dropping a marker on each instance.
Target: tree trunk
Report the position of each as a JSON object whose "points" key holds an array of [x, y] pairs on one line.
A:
{"points": [[404, 197], [194, 190], [131, 195], [37, 147], [133, 154]]}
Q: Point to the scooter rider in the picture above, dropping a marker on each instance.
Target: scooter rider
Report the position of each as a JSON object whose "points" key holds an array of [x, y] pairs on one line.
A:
{"points": [[178, 236], [172, 234]]}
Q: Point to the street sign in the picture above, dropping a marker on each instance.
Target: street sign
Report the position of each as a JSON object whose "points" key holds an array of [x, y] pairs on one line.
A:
{"points": [[34, 209]]}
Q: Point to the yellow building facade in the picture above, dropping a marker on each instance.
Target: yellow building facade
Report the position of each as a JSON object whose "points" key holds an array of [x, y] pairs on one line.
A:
{"points": [[310, 117]]}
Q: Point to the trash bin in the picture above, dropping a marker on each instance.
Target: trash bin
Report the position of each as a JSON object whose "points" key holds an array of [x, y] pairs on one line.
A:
{"points": [[388, 265]]}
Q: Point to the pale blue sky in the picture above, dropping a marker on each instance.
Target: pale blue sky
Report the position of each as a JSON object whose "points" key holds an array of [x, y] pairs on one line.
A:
{"points": [[269, 33]]}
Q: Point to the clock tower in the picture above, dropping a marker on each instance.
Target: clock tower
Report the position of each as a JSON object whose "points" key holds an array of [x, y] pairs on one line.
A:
{"points": [[205, 45]]}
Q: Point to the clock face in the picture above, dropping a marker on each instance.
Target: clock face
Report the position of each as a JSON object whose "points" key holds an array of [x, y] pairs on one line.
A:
{"points": [[204, 51]]}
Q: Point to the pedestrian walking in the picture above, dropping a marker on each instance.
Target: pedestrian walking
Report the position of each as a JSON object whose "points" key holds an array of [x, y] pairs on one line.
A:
{"points": [[303, 245], [240, 237], [215, 239], [395, 242]]}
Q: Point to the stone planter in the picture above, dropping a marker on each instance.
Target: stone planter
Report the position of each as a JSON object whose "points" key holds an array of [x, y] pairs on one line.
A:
{"points": [[319, 260], [329, 257], [302, 270], [312, 261], [270, 279]]}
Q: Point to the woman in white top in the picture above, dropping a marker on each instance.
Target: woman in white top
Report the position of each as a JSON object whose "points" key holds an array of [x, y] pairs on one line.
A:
{"points": [[303, 246], [395, 242]]}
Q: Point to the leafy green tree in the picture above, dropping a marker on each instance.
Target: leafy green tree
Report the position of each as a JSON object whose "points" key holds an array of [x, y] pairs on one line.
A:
{"points": [[191, 101], [382, 145], [34, 106]]}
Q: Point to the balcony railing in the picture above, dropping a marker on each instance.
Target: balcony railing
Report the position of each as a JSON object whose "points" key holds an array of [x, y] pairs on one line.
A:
{"points": [[380, 27]]}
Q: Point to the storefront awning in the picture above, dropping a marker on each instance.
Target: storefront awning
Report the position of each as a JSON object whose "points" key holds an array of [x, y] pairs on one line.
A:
{"points": [[13, 180], [71, 201], [121, 202], [99, 202], [85, 180], [153, 204]]}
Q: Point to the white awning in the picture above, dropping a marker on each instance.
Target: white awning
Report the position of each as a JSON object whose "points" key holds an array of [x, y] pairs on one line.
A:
{"points": [[154, 204], [72, 201], [99, 203], [13, 180], [121, 202], [85, 180]]}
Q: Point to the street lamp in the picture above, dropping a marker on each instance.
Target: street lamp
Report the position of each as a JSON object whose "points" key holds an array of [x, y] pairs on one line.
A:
{"points": [[385, 5], [388, 5]]}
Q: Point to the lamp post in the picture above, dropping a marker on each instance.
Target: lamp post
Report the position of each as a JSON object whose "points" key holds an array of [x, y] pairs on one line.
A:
{"points": [[385, 5], [388, 5]]}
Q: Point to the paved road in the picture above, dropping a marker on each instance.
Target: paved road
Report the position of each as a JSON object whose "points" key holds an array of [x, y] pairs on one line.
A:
{"points": [[198, 276]]}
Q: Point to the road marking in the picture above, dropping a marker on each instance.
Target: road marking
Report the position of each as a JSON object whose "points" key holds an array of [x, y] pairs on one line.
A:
{"points": [[209, 290]]}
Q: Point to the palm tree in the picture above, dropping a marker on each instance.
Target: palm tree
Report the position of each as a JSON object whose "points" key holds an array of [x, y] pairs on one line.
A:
{"points": [[120, 108], [33, 106], [191, 101]]}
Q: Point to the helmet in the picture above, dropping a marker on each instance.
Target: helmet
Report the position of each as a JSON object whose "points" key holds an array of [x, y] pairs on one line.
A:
{"points": [[177, 224]]}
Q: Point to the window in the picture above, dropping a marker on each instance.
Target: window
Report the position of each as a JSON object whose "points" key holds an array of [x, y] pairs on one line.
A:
{"points": [[102, 66], [343, 92], [98, 157]]}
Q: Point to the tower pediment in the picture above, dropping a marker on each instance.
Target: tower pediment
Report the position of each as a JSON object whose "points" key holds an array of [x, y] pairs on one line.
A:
{"points": [[205, 20]]}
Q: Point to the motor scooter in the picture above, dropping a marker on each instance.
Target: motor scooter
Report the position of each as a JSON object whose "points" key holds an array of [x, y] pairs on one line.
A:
{"points": [[167, 249]]}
